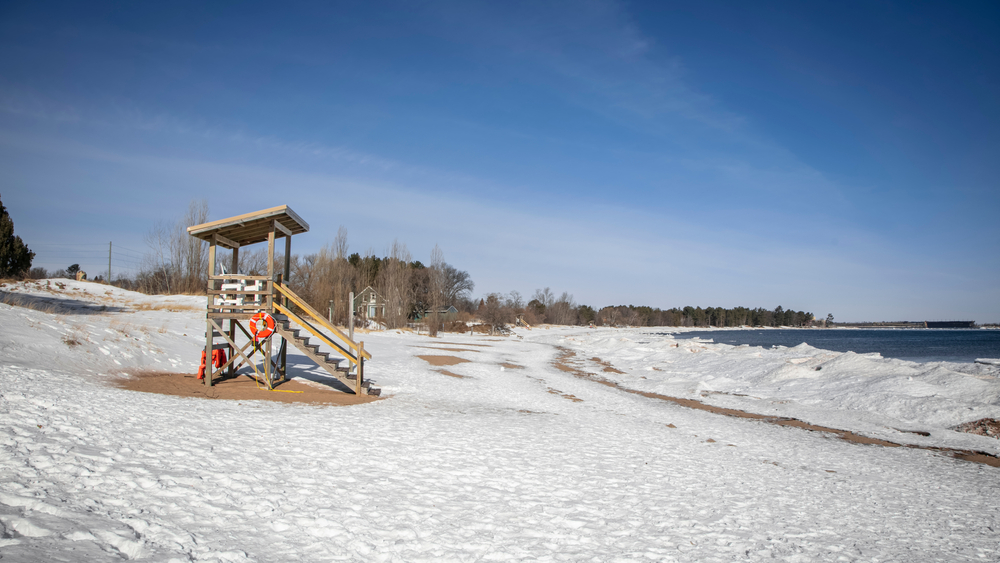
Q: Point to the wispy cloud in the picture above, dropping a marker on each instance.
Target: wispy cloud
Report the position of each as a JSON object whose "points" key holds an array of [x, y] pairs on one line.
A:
{"points": [[597, 47]]}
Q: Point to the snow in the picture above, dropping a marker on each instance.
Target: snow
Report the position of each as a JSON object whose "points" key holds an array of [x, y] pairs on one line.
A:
{"points": [[507, 463]]}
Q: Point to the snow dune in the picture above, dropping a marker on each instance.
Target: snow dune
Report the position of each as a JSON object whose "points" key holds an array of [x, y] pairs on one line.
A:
{"points": [[516, 460]]}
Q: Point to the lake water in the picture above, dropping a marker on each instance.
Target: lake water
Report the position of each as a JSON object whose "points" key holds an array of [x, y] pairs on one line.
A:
{"points": [[915, 345]]}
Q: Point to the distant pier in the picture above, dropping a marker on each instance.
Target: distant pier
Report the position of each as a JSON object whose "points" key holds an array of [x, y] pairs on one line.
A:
{"points": [[911, 324], [951, 324]]}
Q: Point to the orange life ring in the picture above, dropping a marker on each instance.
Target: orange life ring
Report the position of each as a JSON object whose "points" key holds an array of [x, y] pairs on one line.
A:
{"points": [[262, 325]]}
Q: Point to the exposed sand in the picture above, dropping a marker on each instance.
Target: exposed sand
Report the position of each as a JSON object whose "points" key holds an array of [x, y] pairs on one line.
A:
{"points": [[239, 388], [439, 361], [607, 367]]}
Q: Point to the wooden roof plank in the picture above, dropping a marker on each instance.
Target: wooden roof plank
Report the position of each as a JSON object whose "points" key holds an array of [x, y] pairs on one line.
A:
{"points": [[231, 244], [281, 228], [251, 228]]}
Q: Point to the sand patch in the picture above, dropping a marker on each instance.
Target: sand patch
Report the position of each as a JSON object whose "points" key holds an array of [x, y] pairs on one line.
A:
{"points": [[439, 361], [569, 396], [508, 365], [450, 374], [239, 388], [605, 365]]}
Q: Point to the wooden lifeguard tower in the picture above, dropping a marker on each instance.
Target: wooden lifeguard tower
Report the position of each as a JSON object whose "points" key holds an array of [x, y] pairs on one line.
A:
{"points": [[235, 298]]}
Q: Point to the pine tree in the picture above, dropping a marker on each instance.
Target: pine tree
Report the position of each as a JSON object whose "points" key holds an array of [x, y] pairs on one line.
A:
{"points": [[15, 258]]}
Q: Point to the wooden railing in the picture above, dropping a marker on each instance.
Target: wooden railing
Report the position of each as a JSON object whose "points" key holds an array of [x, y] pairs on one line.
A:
{"points": [[254, 298], [354, 351]]}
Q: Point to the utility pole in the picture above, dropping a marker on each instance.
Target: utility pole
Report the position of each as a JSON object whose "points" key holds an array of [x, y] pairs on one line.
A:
{"points": [[109, 262]]}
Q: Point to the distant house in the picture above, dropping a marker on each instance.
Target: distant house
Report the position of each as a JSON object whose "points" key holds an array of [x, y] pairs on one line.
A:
{"points": [[369, 304], [446, 314]]}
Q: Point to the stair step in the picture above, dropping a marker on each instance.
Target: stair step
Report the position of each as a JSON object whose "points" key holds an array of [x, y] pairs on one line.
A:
{"points": [[333, 366]]}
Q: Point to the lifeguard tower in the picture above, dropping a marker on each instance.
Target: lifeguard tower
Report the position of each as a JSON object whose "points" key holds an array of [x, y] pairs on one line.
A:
{"points": [[234, 298]]}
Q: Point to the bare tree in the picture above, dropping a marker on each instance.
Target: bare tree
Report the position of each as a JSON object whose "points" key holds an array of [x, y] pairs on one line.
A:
{"points": [[190, 254], [562, 311], [545, 297], [457, 284], [393, 283], [254, 262], [515, 301], [304, 279], [342, 276], [609, 316], [158, 275], [176, 261], [326, 277], [436, 281], [495, 313], [515, 304], [633, 317]]}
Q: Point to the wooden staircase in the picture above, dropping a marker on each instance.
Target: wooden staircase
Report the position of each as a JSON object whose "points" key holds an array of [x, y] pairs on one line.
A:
{"points": [[343, 374], [311, 320]]}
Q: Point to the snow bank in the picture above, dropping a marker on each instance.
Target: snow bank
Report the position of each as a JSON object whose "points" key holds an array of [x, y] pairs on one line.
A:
{"points": [[865, 393]]}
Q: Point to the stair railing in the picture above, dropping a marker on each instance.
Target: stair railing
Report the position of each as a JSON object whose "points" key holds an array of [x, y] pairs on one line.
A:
{"points": [[354, 352]]}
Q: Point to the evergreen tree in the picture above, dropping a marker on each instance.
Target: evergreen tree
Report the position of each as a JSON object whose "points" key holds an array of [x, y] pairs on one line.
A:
{"points": [[586, 314], [15, 258]]}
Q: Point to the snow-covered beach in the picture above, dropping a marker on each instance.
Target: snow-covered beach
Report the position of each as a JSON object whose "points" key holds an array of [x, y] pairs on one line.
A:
{"points": [[502, 456]]}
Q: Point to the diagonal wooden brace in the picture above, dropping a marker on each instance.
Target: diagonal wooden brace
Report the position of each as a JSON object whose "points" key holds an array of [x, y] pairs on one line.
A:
{"points": [[245, 333], [232, 359], [236, 348]]}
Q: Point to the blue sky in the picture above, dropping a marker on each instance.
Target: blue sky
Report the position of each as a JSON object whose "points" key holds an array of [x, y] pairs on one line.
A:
{"points": [[831, 157]]}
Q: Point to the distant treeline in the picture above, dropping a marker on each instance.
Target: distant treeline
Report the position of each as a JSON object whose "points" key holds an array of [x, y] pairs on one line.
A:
{"points": [[177, 263], [710, 316], [545, 307]]}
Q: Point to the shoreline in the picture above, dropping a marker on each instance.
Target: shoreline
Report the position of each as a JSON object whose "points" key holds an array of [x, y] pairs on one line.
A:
{"points": [[562, 363]]}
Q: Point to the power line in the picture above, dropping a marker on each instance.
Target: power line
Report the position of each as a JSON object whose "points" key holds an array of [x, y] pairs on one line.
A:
{"points": [[95, 258]]}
